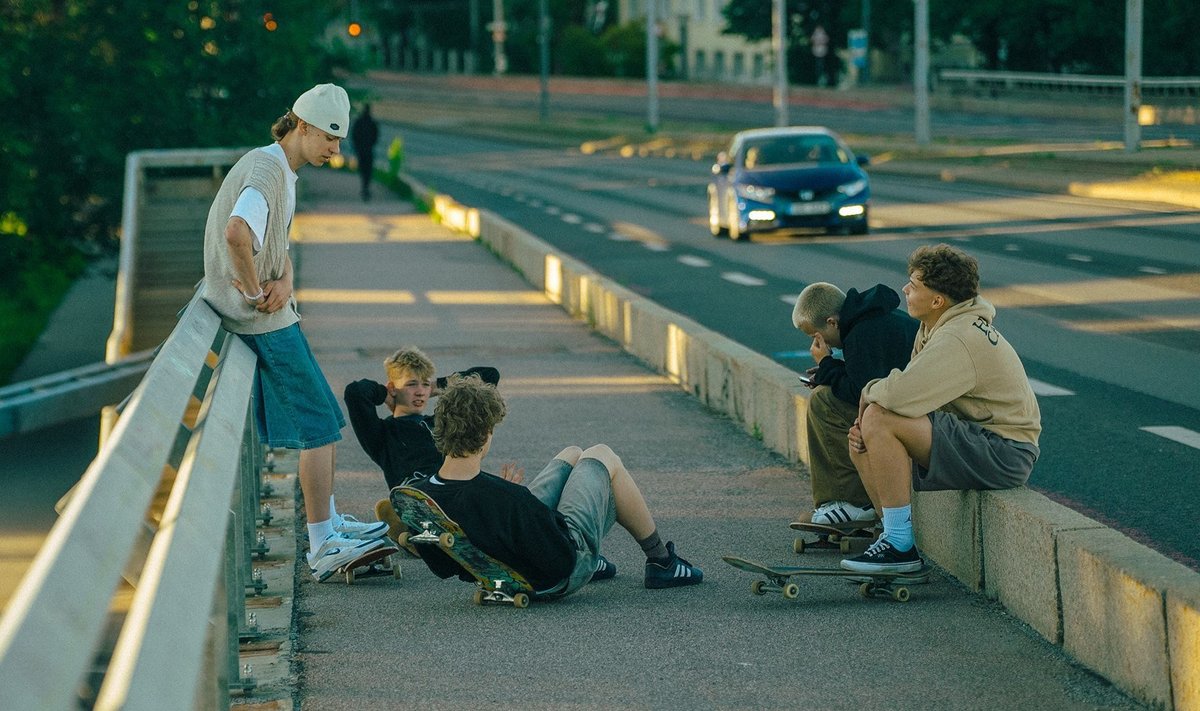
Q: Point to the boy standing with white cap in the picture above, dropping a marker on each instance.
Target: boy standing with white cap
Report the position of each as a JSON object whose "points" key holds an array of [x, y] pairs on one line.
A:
{"points": [[248, 281]]}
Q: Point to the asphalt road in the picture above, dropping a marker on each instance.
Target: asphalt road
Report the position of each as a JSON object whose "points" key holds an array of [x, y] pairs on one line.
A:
{"points": [[1101, 298]]}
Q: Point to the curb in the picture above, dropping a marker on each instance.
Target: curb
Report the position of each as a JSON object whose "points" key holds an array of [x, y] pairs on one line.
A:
{"points": [[1121, 609]]}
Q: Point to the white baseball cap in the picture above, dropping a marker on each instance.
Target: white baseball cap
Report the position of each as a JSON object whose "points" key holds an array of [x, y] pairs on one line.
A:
{"points": [[325, 106]]}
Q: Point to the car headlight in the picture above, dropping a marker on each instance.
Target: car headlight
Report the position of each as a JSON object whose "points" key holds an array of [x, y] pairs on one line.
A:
{"points": [[756, 193], [854, 188]]}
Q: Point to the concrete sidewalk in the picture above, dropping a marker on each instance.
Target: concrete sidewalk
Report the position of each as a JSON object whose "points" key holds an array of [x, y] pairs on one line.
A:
{"points": [[373, 277]]}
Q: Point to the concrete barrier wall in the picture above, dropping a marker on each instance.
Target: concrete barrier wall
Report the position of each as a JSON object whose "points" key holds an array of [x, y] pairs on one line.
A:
{"points": [[1119, 608]]}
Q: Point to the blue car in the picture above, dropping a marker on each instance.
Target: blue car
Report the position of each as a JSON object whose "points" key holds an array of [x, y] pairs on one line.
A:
{"points": [[788, 178]]}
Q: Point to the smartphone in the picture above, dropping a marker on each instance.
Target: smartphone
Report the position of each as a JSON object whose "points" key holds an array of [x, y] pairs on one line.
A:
{"points": [[806, 379]]}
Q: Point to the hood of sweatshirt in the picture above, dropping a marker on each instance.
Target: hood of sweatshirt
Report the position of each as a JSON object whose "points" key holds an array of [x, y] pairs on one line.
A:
{"points": [[977, 308], [879, 300]]}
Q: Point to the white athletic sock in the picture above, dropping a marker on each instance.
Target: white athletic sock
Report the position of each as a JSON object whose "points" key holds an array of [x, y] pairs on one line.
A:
{"points": [[318, 532]]}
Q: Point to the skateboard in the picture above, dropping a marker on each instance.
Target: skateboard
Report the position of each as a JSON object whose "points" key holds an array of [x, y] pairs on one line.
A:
{"points": [[429, 525], [373, 563], [831, 537], [870, 584]]}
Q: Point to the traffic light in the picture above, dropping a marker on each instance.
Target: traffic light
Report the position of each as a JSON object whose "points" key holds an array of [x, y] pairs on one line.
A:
{"points": [[354, 29], [269, 22]]}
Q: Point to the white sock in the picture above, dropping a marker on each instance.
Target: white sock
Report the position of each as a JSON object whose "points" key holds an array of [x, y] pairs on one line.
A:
{"points": [[333, 514], [318, 532]]}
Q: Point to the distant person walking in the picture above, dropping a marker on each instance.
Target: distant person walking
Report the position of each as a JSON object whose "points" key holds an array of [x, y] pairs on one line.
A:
{"points": [[364, 133], [248, 281]]}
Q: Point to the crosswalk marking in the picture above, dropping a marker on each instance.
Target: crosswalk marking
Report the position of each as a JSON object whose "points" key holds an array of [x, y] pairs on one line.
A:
{"points": [[1047, 390], [743, 279], [1181, 435], [692, 260]]}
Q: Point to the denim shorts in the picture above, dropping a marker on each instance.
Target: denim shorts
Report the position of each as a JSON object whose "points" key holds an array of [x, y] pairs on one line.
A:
{"points": [[583, 495], [293, 404]]}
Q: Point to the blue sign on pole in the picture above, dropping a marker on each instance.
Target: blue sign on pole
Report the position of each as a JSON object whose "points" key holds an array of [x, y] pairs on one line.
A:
{"points": [[857, 41]]}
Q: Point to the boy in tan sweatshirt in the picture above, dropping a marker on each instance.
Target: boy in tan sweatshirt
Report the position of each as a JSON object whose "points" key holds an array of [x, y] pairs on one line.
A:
{"points": [[961, 415]]}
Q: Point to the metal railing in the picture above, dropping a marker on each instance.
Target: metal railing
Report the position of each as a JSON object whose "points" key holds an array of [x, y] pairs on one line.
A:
{"points": [[1069, 83], [187, 437]]}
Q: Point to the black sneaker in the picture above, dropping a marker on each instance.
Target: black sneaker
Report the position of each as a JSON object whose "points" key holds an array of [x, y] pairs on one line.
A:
{"points": [[881, 557], [605, 570], [675, 573]]}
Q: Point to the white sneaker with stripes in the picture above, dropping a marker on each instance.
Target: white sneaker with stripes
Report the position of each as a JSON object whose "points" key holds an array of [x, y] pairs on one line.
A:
{"points": [[842, 513]]}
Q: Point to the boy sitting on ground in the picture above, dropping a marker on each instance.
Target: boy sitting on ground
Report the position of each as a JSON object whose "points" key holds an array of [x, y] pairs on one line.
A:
{"points": [[551, 531]]}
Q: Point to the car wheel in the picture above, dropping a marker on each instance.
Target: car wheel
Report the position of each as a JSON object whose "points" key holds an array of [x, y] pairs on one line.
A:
{"points": [[735, 224], [714, 216]]}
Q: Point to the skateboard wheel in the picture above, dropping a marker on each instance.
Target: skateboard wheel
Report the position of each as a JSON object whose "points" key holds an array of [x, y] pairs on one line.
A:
{"points": [[791, 591], [477, 598], [866, 589], [844, 545], [350, 577], [446, 540], [758, 587], [521, 600], [900, 594], [402, 539], [397, 569], [798, 546]]}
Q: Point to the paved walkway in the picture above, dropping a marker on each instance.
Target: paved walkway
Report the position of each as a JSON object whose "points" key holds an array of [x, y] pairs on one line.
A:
{"points": [[373, 277]]}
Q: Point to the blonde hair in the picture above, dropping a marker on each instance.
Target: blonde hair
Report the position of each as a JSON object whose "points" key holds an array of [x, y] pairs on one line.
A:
{"points": [[284, 125], [816, 303], [408, 361], [467, 412]]}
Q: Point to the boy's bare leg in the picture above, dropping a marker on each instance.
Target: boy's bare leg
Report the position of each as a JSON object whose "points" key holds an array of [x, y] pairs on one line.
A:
{"points": [[316, 481], [632, 512], [892, 443]]}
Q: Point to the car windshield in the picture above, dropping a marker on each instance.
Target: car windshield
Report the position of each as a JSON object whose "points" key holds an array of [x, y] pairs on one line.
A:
{"points": [[784, 150]]}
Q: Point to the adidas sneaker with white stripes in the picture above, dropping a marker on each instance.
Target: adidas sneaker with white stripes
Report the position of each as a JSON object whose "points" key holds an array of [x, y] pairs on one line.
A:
{"points": [[675, 573], [841, 513]]}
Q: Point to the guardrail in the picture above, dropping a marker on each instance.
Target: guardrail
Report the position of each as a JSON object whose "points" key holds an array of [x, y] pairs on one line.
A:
{"points": [[187, 437], [1070, 83]]}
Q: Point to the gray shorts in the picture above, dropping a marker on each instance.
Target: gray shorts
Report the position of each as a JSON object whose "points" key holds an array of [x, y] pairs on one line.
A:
{"points": [[583, 495], [966, 456]]}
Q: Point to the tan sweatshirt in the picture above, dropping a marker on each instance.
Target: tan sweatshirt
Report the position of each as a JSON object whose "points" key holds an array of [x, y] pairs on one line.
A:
{"points": [[265, 174], [963, 366]]}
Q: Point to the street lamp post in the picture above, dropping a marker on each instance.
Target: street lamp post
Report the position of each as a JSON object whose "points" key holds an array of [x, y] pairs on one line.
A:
{"points": [[651, 66], [921, 72], [1133, 74], [544, 42], [779, 48]]}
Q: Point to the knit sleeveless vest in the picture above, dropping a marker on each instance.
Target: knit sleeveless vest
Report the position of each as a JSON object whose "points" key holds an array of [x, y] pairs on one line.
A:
{"points": [[261, 171]]}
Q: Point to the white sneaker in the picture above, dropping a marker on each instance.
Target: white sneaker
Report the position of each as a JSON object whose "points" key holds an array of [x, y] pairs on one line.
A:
{"points": [[351, 527], [336, 551], [841, 513]]}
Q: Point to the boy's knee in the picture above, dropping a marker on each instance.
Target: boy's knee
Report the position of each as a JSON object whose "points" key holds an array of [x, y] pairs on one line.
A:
{"points": [[604, 454], [570, 455]]}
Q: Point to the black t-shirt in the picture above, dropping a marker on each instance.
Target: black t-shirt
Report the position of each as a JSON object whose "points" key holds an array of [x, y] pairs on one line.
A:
{"points": [[507, 522], [401, 446]]}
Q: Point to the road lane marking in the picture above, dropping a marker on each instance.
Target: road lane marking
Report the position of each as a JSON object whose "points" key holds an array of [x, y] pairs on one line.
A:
{"points": [[1181, 435], [743, 279], [1047, 390], [656, 246], [1079, 258], [693, 261], [1012, 248], [535, 203], [595, 228], [619, 237], [553, 210], [1151, 270], [571, 218]]}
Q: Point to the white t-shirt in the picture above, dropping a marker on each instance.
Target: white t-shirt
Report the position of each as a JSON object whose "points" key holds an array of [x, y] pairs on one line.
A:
{"points": [[252, 206]]}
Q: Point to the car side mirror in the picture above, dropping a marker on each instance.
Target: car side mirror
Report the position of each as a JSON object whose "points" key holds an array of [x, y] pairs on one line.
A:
{"points": [[720, 168], [863, 161]]}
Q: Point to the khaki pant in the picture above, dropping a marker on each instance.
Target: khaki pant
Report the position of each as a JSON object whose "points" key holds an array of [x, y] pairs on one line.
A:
{"points": [[834, 477]]}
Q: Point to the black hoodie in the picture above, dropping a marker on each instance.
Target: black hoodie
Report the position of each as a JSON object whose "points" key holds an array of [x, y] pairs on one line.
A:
{"points": [[876, 337]]}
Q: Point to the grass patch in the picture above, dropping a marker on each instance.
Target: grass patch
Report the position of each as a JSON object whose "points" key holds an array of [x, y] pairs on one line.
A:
{"points": [[26, 306]]}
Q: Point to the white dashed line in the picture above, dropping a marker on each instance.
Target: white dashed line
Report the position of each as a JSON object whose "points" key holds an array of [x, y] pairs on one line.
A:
{"points": [[1047, 390], [1151, 270], [535, 203], [1012, 248], [789, 299], [1079, 258], [552, 210], [1181, 435], [571, 219], [618, 237], [743, 279], [693, 261], [595, 228], [656, 246]]}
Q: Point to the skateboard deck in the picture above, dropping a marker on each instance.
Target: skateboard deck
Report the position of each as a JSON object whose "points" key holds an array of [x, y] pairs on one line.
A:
{"points": [[429, 525], [373, 563], [870, 584], [839, 537]]}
